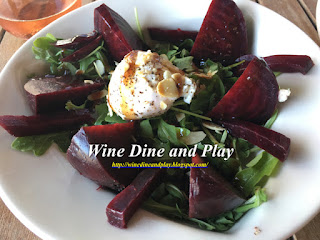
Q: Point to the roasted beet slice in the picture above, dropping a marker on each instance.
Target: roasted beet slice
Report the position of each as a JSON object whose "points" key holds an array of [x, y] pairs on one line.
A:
{"points": [[84, 51], [119, 37], [210, 194], [98, 167], [77, 41], [280, 63], [273, 142], [289, 63], [51, 93], [173, 36], [223, 34], [20, 126], [126, 203], [252, 98]]}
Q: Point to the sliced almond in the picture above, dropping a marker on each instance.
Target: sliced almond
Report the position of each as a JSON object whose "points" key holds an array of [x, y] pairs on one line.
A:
{"points": [[163, 105], [178, 78], [166, 74], [168, 88], [97, 95], [164, 57], [79, 72], [209, 74], [202, 75], [193, 138], [180, 116], [172, 68], [88, 81], [126, 66], [99, 67], [213, 126]]}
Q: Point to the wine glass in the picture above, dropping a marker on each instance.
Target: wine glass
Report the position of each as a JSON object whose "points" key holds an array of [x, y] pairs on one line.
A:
{"points": [[24, 18]]}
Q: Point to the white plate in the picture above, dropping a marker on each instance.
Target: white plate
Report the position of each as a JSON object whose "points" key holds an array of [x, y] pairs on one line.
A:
{"points": [[55, 202]]}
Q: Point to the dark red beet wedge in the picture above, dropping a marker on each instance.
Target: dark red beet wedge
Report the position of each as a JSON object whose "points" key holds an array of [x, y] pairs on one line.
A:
{"points": [[280, 63], [119, 37], [20, 126], [252, 98], [210, 194], [173, 36], [223, 34], [84, 51], [290, 63], [51, 93], [126, 203], [77, 41], [273, 142], [97, 167]]}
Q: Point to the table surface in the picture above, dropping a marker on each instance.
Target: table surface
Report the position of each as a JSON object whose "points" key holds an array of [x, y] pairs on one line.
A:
{"points": [[300, 12]]}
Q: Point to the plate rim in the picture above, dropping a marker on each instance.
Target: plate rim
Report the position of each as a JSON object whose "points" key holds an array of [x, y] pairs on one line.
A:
{"points": [[6, 199]]}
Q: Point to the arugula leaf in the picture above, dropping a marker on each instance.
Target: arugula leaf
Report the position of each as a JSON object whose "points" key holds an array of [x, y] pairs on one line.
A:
{"points": [[102, 112], [44, 42], [190, 113], [178, 55], [185, 63], [162, 48], [222, 88], [146, 129], [271, 120], [261, 166], [201, 101], [210, 66], [171, 54], [140, 33], [156, 143], [207, 97], [104, 116], [44, 49], [167, 132], [276, 74], [186, 44], [184, 53], [233, 65], [114, 119], [71, 106], [224, 76], [226, 220], [67, 66], [258, 198], [242, 148], [173, 211], [39, 144], [176, 192], [85, 63]]}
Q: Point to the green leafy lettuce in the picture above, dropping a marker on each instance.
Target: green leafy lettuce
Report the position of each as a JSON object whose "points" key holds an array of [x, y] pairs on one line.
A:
{"points": [[44, 49], [39, 144], [106, 117], [263, 165], [169, 201]]}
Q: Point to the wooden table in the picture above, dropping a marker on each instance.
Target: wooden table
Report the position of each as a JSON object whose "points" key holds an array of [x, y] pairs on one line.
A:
{"points": [[300, 12]]}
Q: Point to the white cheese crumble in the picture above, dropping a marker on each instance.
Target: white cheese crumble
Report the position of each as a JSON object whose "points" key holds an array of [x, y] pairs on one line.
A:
{"points": [[284, 94]]}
